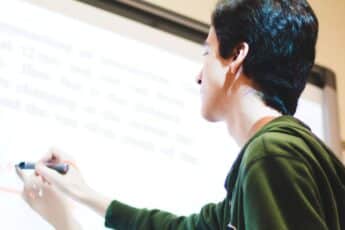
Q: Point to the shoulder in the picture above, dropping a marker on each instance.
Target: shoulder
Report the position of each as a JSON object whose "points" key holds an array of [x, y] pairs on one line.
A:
{"points": [[275, 145], [276, 159]]}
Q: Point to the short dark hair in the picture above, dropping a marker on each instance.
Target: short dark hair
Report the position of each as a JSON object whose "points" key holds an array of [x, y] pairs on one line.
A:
{"points": [[281, 35]]}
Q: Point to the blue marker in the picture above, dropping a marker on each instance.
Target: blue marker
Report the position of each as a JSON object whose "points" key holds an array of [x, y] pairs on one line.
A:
{"points": [[60, 167]]}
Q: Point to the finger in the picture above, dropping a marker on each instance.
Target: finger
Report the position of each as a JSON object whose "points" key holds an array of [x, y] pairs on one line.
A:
{"points": [[71, 165], [34, 189], [29, 197], [23, 177], [50, 175], [43, 179], [51, 156], [55, 156]]}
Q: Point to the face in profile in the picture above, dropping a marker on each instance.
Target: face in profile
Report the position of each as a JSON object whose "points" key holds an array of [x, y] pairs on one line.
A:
{"points": [[212, 80]]}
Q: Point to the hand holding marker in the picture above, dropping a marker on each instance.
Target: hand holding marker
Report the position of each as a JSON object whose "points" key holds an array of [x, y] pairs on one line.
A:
{"points": [[60, 167]]}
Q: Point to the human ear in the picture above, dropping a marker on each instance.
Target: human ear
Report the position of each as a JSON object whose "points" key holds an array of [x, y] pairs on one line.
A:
{"points": [[240, 53]]}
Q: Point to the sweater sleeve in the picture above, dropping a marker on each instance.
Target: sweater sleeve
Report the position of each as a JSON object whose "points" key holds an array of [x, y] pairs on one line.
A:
{"points": [[121, 216], [281, 193]]}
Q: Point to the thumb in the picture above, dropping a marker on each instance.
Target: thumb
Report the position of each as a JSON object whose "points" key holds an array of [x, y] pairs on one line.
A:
{"points": [[48, 174], [21, 175]]}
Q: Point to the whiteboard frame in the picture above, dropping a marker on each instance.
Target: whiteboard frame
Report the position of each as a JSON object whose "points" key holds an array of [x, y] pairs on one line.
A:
{"points": [[195, 31]]}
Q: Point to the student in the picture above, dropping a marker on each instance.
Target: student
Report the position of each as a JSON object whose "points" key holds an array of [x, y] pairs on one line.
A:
{"points": [[258, 55]]}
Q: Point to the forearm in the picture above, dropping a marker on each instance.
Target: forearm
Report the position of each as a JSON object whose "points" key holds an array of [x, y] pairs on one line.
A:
{"points": [[68, 224], [95, 201], [120, 215]]}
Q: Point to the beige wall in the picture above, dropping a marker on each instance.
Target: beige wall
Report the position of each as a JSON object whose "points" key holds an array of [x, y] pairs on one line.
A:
{"points": [[199, 10], [331, 43], [331, 46]]}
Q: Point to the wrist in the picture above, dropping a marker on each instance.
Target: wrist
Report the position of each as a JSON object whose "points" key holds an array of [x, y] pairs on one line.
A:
{"points": [[68, 224], [86, 195], [94, 200], [60, 220]]}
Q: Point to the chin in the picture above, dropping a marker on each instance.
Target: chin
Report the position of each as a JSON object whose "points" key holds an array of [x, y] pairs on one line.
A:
{"points": [[207, 115]]}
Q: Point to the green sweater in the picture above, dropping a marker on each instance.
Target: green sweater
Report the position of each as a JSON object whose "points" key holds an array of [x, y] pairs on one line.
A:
{"points": [[283, 178]]}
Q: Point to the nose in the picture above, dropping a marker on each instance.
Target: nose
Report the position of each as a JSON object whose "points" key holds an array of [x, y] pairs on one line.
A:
{"points": [[198, 78]]}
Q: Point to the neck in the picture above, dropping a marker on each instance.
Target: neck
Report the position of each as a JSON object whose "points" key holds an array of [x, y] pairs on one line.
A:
{"points": [[247, 114]]}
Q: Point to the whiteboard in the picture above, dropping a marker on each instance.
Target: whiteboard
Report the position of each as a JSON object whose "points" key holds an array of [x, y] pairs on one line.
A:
{"points": [[119, 97]]}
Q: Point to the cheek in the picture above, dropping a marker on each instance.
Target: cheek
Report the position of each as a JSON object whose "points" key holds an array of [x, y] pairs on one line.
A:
{"points": [[214, 73]]}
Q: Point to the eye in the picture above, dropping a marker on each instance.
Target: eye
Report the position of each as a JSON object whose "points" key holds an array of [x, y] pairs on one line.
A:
{"points": [[205, 52]]}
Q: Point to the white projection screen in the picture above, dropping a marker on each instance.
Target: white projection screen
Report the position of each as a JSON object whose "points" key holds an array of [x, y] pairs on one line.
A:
{"points": [[121, 98]]}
